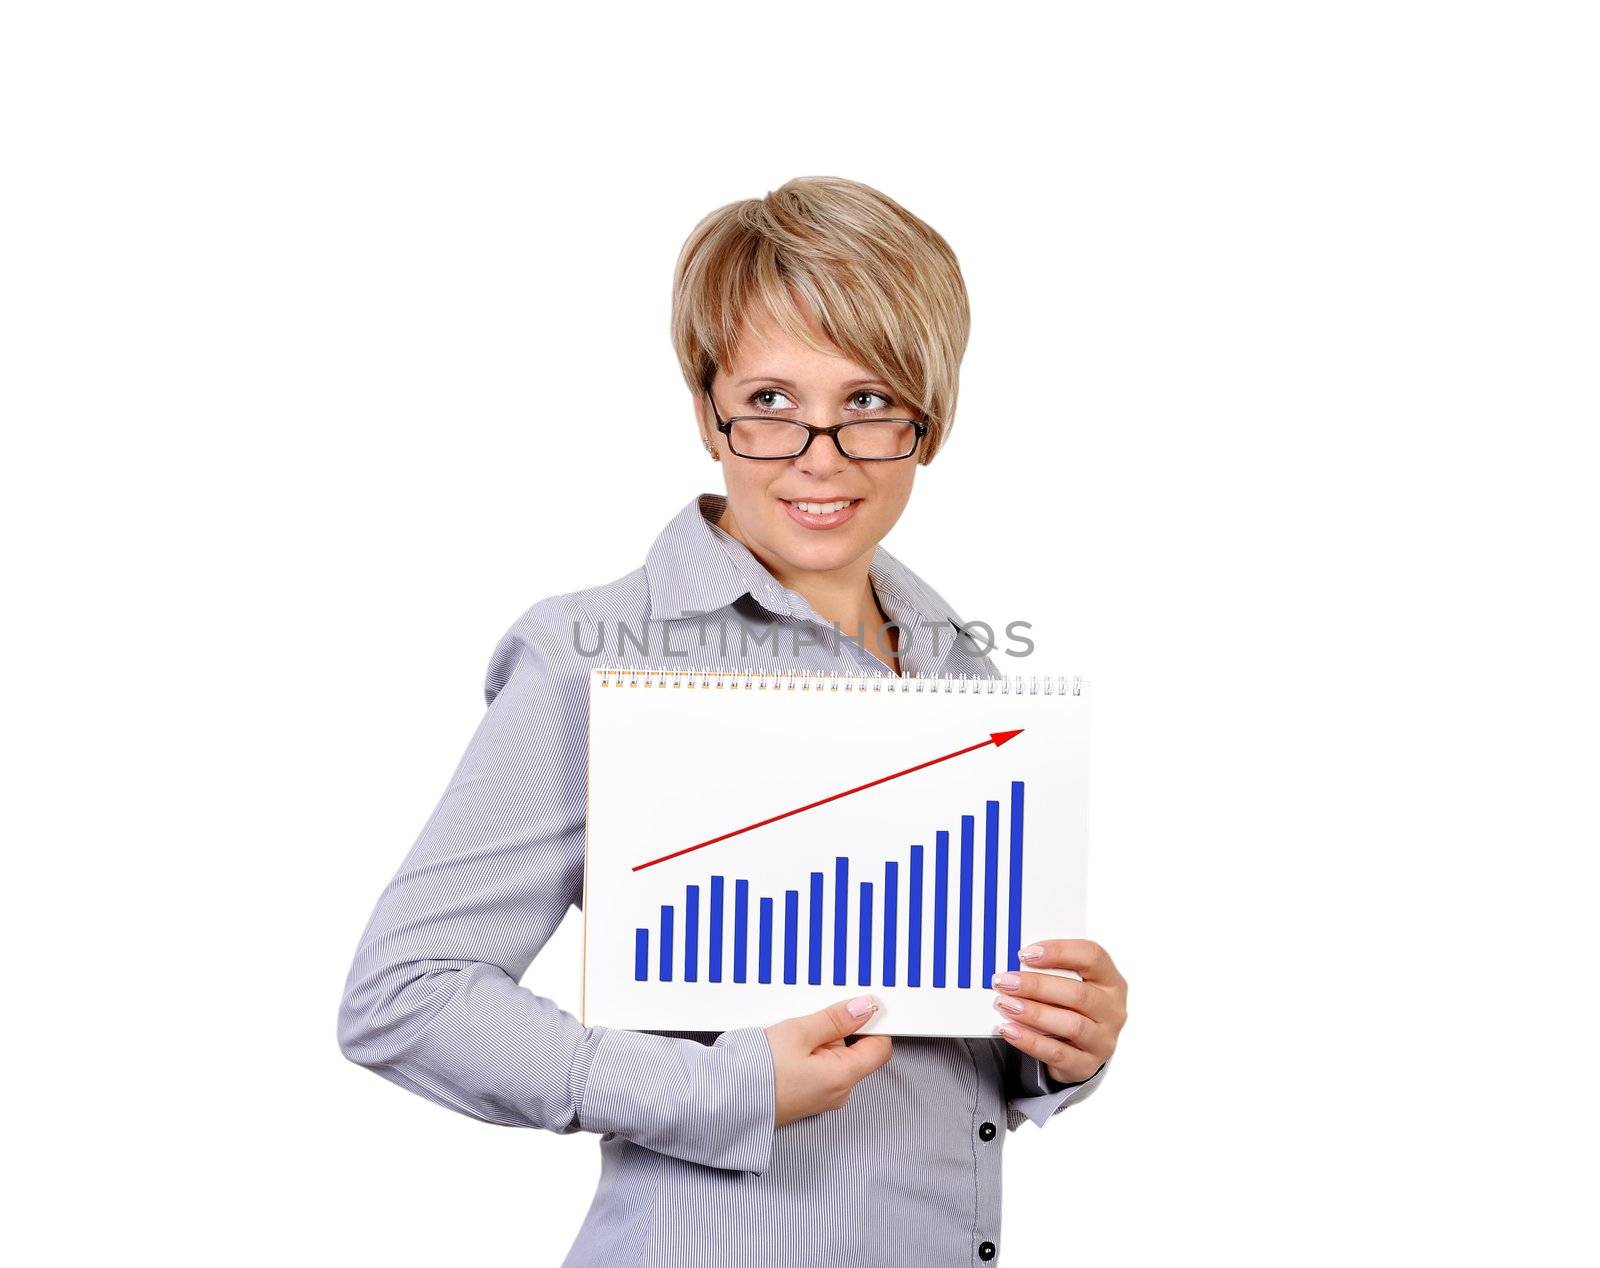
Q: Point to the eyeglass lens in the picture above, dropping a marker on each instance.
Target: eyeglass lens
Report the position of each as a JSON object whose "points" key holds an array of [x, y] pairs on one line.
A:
{"points": [[777, 438]]}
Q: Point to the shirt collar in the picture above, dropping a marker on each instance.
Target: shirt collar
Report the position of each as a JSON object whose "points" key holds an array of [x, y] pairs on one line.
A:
{"points": [[694, 567]]}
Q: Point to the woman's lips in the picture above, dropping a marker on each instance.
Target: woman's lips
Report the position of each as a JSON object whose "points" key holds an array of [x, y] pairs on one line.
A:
{"points": [[807, 520]]}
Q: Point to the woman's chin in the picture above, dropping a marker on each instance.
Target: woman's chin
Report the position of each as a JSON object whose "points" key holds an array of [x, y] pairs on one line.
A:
{"points": [[803, 551]]}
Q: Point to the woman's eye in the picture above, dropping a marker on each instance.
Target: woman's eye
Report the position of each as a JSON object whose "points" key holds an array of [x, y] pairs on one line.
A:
{"points": [[770, 399], [762, 399]]}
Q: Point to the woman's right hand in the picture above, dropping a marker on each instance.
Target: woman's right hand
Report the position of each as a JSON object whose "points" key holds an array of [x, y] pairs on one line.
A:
{"points": [[813, 1068]]}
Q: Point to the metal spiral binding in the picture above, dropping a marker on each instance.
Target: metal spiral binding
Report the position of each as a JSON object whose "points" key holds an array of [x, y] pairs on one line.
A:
{"points": [[674, 677]]}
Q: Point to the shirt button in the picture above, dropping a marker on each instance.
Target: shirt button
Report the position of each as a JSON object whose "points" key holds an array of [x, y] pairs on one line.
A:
{"points": [[986, 1132], [986, 1250]]}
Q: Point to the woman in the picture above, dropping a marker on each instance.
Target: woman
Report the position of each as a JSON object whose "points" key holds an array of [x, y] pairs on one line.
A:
{"points": [[827, 304]]}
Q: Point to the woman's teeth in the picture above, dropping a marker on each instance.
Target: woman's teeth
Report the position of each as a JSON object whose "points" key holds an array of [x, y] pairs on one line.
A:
{"points": [[821, 508]]}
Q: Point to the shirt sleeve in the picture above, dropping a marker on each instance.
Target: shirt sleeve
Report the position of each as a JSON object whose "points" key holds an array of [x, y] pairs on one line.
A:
{"points": [[1030, 1091], [433, 1002]]}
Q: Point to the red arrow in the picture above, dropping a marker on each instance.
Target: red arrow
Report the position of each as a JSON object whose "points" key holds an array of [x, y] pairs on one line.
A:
{"points": [[997, 738]]}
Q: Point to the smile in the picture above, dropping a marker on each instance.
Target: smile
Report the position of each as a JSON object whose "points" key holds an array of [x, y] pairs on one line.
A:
{"points": [[815, 513]]}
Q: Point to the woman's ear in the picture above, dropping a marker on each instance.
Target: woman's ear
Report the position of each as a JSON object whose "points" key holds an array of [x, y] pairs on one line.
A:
{"points": [[702, 416]]}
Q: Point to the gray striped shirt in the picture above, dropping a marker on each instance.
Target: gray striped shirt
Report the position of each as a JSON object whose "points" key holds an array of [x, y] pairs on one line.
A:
{"points": [[693, 1173]]}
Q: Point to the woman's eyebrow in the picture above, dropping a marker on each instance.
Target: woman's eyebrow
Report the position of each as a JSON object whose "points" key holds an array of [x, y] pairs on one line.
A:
{"points": [[783, 382]]}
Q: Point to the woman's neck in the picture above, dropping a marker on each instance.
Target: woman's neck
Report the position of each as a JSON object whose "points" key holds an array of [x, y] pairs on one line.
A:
{"points": [[843, 596]]}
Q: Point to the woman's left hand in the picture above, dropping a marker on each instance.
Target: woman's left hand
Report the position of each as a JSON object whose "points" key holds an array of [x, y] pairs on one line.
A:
{"points": [[1069, 1025]]}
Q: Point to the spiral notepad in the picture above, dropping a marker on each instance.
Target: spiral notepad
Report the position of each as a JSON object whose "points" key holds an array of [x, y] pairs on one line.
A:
{"points": [[760, 845]]}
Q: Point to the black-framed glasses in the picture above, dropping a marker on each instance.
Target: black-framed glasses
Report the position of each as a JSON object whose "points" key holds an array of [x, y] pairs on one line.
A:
{"points": [[861, 440]]}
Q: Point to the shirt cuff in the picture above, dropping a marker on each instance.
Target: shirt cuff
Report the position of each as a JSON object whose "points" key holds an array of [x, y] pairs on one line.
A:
{"points": [[709, 1104], [1040, 1096]]}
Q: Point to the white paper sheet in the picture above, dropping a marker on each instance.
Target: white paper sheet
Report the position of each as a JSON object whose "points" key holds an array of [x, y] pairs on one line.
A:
{"points": [[675, 760]]}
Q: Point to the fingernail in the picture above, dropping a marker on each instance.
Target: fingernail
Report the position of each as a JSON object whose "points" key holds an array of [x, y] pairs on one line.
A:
{"points": [[1007, 1003], [1007, 981], [1031, 952], [1010, 1030], [861, 1005]]}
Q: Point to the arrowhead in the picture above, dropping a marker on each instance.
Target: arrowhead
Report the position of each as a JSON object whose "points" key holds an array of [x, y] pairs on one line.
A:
{"points": [[1000, 737]]}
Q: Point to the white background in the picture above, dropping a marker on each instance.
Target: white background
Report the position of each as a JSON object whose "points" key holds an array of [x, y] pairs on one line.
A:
{"points": [[1278, 421]]}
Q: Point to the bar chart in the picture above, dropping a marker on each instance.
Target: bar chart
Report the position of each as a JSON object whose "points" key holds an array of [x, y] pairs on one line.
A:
{"points": [[758, 846], [907, 933]]}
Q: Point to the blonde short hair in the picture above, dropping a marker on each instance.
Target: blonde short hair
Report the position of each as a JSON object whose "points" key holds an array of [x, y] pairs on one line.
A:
{"points": [[883, 285]]}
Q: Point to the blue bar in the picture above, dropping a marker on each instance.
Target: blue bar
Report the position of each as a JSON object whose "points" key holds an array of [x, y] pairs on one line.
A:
{"points": [[764, 969], [814, 962], [1014, 899], [666, 943], [741, 926], [841, 915], [866, 934], [941, 901], [891, 900], [991, 886], [641, 955], [691, 933], [791, 932], [914, 921], [964, 912], [716, 929]]}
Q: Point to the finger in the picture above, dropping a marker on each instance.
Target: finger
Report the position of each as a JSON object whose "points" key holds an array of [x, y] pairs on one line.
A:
{"points": [[1059, 1023], [1088, 998], [837, 1020], [1086, 957], [1053, 1052], [867, 1054]]}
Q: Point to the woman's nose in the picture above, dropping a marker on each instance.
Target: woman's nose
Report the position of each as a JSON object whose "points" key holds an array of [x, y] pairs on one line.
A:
{"points": [[822, 458]]}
